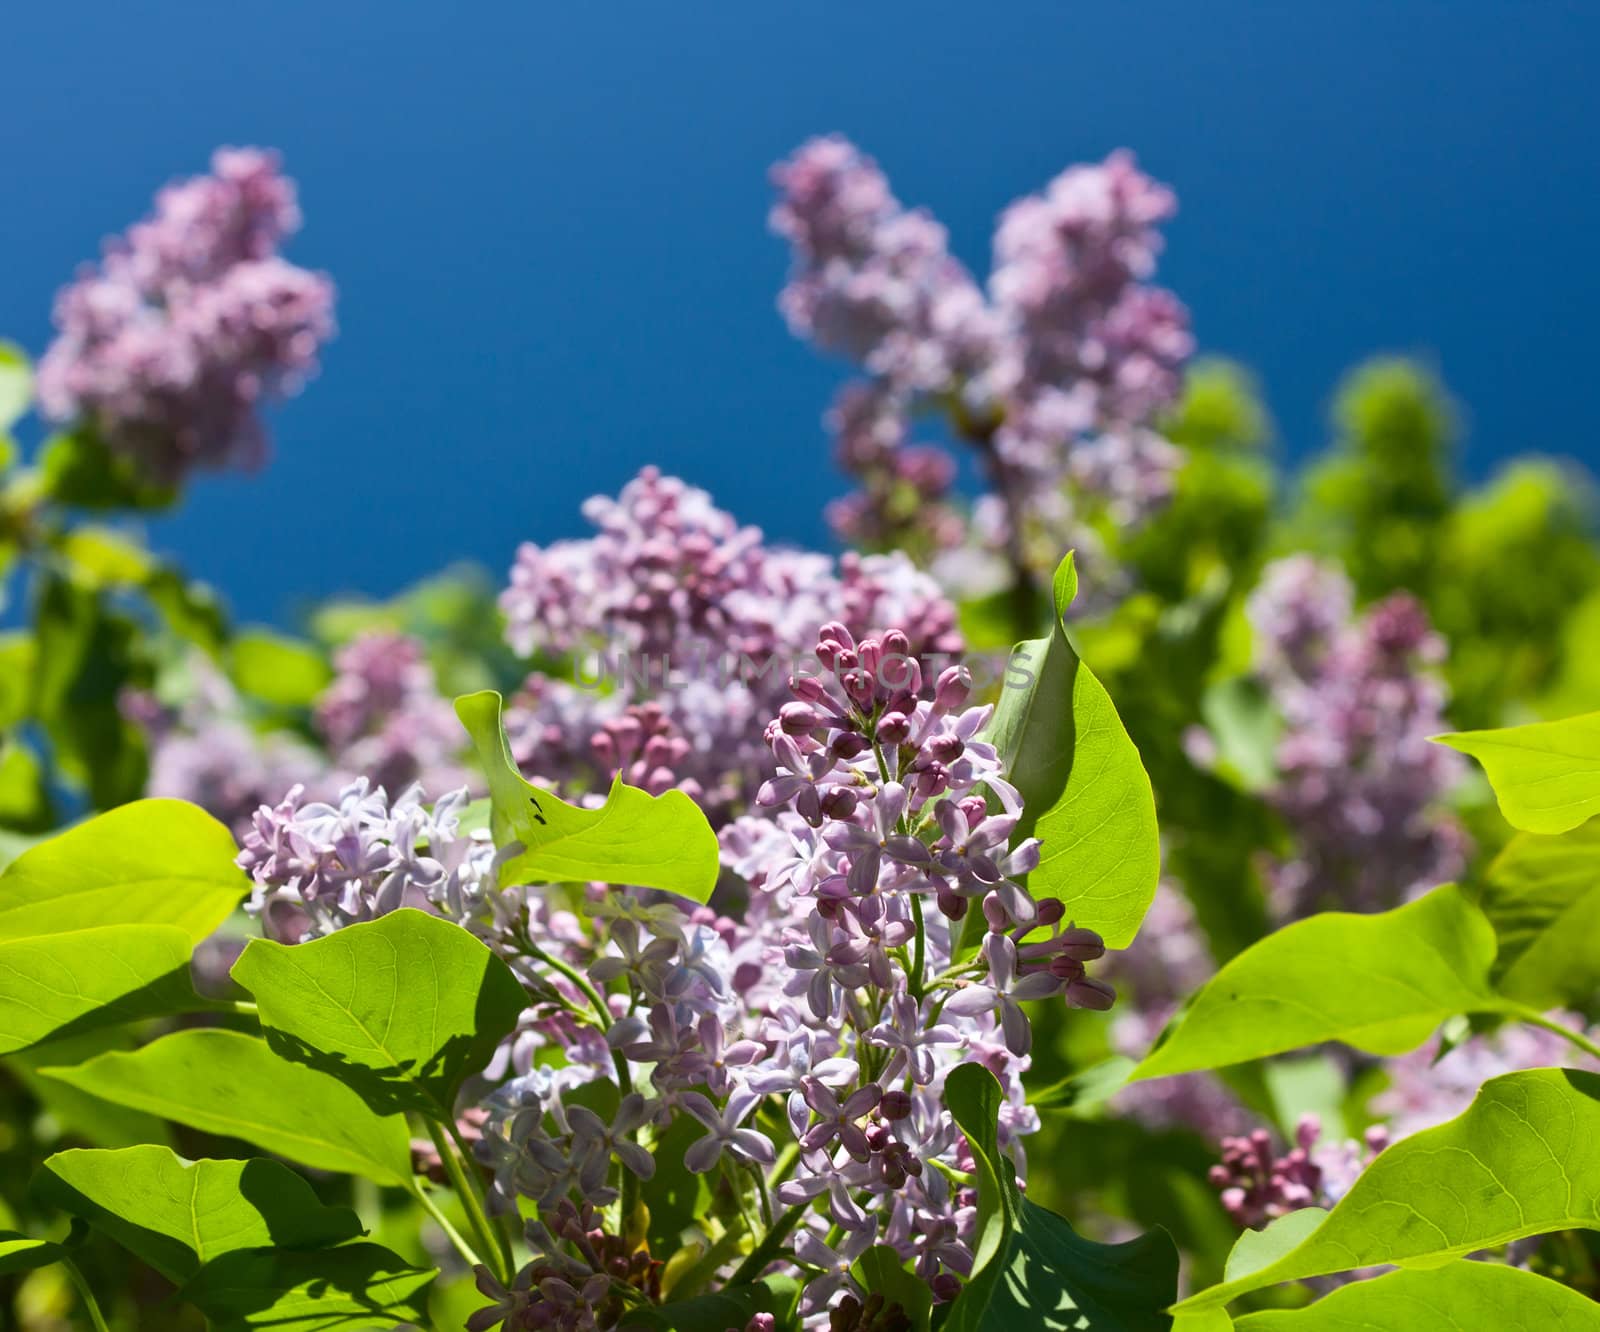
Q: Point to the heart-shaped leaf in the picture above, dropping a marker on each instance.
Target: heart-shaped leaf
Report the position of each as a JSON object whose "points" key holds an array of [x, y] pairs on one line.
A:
{"points": [[634, 838], [230, 1083], [1085, 791], [400, 1009], [1546, 776], [1381, 983], [177, 1215]]}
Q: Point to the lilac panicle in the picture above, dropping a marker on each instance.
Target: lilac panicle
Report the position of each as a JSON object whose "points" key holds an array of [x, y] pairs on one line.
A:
{"points": [[191, 323], [1359, 781], [1056, 374]]}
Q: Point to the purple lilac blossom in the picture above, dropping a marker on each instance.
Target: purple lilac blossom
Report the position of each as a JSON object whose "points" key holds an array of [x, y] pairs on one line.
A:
{"points": [[829, 1012], [1055, 374], [190, 324], [1358, 781], [681, 627], [1258, 1185]]}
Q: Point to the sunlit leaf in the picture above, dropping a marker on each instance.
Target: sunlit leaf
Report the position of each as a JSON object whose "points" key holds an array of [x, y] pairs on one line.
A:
{"points": [[1542, 895], [177, 1215], [282, 671], [1380, 983], [1524, 1159], [1546, 775], [231, 1083], [636, 839], [62, 984], [400, 1009], [1460, 1295], [152, 862], [1087, 796]]}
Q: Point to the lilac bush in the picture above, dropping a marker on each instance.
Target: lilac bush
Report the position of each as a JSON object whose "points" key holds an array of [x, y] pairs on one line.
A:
{"points": [[1358, 780], [190, 324], [1055, 375]]}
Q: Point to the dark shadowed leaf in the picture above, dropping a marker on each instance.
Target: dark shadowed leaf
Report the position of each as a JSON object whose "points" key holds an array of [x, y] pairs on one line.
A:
{"points": [[352, 1286], [1030, 1268]]}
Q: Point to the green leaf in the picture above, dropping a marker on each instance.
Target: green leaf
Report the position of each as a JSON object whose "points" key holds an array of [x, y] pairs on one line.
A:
{"points": [[19, 1253], [400, 1009], [1461, 1295], [62, 984], [100, 557], [230, 1083], [881, 1271], [16, 384], [284, 672], [636, 839], [177, 1216], [732, 1307], [1524, 1159], [1542, 895], [1255, 1250], [1087, 796], [353, 1286], [1546, 776], [1086, 1088], [1030, 1269], [1380, 983], [1245, 726], [152, 862], [77, 468], [18, 655]]}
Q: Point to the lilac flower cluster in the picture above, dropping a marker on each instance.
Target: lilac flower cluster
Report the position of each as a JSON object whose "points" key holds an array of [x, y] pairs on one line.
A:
{"points": [[1358, 780], [1054, 375], [806, 1041], [1258, 1185], [191, 322], [681, 627], [380, 720]]}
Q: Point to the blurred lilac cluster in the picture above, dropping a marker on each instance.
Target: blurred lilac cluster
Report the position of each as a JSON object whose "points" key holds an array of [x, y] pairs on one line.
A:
{"points": [[1358, 780], [1258, 1185], [826, 1012], [678, 629], [190, 323], [381, 719], [1054, 374]]}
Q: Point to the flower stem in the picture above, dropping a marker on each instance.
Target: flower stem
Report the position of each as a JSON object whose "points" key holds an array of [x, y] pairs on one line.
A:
{"points": [[1535, 1018], [765, 1252], [919, 952], [81, 1285], [477, 1218], [457, 1241]]}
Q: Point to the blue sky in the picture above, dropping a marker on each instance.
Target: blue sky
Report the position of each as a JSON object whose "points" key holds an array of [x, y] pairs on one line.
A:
{"points": [[547, 224]]}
